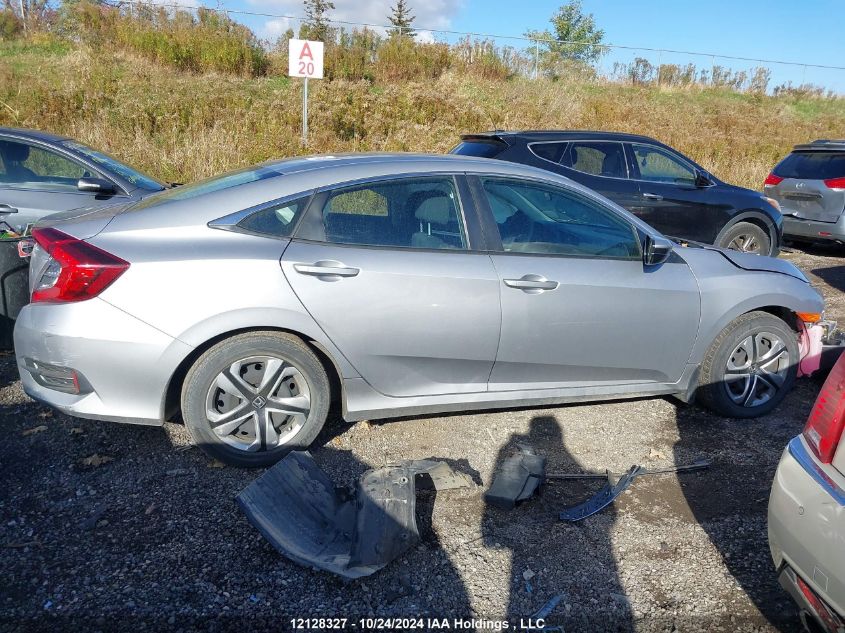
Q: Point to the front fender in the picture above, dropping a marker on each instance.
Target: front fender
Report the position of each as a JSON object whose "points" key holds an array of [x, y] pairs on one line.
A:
{"points": [[775, 230]]}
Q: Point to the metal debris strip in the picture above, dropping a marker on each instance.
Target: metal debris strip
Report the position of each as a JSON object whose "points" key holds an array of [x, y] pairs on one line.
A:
{"points": [[615, 486], [298, 509]]}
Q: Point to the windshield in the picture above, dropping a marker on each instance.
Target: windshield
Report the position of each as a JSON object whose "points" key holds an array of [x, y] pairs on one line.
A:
{"points": [[210, 185], [115, 166]]}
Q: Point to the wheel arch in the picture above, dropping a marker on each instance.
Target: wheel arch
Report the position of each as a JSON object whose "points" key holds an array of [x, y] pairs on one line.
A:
{"points": [[171, 405], [757, 217]]}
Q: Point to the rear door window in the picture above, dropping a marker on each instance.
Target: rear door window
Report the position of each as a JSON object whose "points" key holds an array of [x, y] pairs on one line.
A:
{"points": [[598, 158], [548, 151], [409, 213], [812, 165], [26, 166]]}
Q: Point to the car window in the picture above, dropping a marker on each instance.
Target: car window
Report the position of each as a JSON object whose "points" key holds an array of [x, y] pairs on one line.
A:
{"points": [[27, 166], [658, 165], [538, 218], [411, 213], [548, 151], [276, 220], [812, 165], [112, 164], [598, 158]]}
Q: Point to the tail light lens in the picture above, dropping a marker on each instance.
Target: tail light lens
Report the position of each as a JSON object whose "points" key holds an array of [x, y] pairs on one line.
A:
{"points": [[75, 270], [827, 419], [771, 179], [835, 183]]}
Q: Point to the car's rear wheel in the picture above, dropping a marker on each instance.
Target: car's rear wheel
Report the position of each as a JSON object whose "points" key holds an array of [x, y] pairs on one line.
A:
{"points": [[747, 238], [750, 367], [254, 397]]}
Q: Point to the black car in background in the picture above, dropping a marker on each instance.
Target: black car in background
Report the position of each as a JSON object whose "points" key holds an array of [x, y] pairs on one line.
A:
{"points": [[663, 187]]}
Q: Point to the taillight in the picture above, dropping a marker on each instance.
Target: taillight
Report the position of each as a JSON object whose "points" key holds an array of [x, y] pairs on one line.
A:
{"points": [[827, 419], [835, 183], [771, 179], [75, 270]]}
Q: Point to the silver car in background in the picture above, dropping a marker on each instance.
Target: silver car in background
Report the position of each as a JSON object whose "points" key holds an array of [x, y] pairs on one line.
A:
{"points": [[807, 512], [396, 284], [809, 185]]}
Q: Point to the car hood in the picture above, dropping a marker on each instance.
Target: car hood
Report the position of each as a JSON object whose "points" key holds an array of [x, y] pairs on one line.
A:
{"points": [[760, 263]]}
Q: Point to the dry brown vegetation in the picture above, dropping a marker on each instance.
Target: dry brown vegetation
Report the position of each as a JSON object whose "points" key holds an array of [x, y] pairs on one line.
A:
{"points": [[181, 126]]}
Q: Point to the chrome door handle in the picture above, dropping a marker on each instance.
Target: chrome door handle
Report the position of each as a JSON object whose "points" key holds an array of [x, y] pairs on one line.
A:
{"points": [[5, 208], [531, 284], [326, 268], [652, 196]]}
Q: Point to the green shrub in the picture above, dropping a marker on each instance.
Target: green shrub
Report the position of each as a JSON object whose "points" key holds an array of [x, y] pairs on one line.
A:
{"points": [[10, 25]]}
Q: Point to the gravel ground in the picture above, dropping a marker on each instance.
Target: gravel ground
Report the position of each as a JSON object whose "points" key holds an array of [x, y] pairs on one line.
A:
{"points": [[108, 526]]}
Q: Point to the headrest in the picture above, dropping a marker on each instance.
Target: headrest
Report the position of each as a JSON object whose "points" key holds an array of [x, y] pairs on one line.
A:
{"points": [[437, 210], [16, 152]]}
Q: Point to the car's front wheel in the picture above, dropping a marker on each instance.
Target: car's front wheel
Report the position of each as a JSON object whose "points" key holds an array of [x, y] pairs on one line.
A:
{"points": [[254, 397], [750, 367], [747, 238]]}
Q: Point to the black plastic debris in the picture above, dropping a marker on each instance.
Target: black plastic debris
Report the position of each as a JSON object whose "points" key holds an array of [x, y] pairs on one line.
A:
{"points": [[518, 478], [298, 509]]}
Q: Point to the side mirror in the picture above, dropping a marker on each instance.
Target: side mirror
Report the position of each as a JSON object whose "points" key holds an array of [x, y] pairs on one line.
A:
{"points": [[95, 185], [702, 180], [657, 250]]}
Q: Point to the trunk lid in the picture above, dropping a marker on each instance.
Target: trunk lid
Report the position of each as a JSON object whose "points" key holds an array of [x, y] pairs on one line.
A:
{"points": [[85, 222]]}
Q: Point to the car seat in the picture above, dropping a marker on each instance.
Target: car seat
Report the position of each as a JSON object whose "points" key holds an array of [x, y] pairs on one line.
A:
{"points": [[435, 215], [13, 155]]}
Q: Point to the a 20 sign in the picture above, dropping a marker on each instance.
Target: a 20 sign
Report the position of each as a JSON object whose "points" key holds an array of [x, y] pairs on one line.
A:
{"points": [[305, 59]]}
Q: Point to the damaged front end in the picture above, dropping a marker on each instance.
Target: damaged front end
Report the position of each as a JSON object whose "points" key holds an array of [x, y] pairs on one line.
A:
{"points": [[298, 509], [820, 344]]}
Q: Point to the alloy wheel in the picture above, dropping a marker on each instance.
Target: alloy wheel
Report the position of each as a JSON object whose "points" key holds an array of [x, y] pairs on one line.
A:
{"points": [[258, 403], [745, 243], [756, 369]]}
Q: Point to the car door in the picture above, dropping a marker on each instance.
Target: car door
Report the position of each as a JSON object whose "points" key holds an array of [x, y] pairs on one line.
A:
{"points": [[36, 181], [579, 307], [670, 200], [388, 271]]}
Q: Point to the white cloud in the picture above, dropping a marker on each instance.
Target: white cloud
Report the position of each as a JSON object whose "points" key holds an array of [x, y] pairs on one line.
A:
{"points": [[275, 28], [430, 14]]}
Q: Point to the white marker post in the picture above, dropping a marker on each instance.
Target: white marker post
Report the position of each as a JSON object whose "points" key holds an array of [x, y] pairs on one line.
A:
{"points": [[305, 59]]}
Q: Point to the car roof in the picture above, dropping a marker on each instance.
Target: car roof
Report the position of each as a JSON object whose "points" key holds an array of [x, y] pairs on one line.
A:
{"points": [[821, 145], [36, 135], [558, 135]]}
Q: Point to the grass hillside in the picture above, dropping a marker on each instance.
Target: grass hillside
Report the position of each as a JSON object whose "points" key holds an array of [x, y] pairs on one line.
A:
{"points": [[181, 125]]}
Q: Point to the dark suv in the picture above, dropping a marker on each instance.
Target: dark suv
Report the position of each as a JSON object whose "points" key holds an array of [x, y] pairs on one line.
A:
{"points": [[653, 181]]}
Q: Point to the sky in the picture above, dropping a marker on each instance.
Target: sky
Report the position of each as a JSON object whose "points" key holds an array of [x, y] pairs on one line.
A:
{"points": [[760, 29]]}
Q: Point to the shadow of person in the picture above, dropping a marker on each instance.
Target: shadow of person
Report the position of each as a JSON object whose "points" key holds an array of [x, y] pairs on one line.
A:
{"points": [[731, 503], [586, 575]]}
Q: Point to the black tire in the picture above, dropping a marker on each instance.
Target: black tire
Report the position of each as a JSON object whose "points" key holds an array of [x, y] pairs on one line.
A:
{"points": [[206, 372], [758, 240], [715, 391]]}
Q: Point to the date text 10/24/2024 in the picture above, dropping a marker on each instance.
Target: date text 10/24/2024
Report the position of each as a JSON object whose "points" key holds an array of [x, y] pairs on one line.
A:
{"points": [[408, 624]]}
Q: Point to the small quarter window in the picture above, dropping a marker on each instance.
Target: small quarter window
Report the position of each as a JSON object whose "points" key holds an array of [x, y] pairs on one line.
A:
{"points": [[548, 151], [277, 220]]}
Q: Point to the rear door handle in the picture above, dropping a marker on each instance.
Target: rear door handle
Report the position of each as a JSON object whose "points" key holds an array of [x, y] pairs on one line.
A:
{"points": [[5, 208], [531, 284], [326, 268], [652, 196]]}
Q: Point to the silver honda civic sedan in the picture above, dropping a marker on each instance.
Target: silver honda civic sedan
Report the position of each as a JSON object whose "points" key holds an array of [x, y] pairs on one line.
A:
{"points": [[395, 284]]}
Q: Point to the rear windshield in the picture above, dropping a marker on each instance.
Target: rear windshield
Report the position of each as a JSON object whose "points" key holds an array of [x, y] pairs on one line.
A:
{"points": [[812, 165], [482, 149]]}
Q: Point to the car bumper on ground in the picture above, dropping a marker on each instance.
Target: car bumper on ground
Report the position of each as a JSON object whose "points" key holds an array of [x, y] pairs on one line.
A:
{"points": [[798, 228], [807, 534], [91, 360]]}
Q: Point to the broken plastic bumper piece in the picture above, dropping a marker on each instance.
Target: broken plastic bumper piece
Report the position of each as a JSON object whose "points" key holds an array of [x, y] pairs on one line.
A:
{"points": [[298, 509]]}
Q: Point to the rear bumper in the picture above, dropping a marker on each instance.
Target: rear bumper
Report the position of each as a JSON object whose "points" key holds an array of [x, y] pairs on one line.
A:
{"points": [[814, 230], [121, 364], [807, 530]]}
